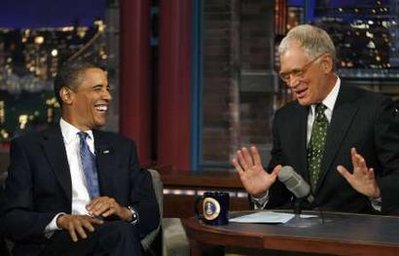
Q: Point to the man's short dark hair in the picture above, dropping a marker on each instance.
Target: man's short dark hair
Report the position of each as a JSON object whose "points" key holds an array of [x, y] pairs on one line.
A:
{"points": [[69, 75]]}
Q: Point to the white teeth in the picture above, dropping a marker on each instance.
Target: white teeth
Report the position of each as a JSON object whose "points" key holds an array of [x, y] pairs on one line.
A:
{"points": [[102, 108]]}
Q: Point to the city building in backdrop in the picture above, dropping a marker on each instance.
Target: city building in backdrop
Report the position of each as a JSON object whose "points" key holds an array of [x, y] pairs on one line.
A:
{"points": [[238, 64]]}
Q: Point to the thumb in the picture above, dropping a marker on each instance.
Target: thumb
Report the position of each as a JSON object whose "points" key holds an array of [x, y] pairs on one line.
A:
{"points": [[343, 171]]}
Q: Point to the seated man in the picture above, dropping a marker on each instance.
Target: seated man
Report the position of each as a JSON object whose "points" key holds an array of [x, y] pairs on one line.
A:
{"points": [[327, 130], [73, 189]]}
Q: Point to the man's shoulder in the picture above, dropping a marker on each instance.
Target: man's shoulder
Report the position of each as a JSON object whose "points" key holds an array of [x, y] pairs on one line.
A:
{"points": [[113, 137], [289, 108], [363, 95], [37, 135]]}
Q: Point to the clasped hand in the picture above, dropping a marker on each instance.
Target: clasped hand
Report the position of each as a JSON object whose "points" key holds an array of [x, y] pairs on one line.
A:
{"points": [[78, 226]]}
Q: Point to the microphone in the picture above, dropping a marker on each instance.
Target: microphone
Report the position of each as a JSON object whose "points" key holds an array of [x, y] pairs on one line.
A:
{"points": [[295, 183]]}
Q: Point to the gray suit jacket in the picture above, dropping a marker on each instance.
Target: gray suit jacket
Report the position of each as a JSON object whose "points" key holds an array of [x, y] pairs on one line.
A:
{"points": [[360, 119]]}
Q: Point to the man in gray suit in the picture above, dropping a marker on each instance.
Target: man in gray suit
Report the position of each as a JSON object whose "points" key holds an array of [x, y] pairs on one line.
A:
{"points": [[325, 132], [73, 189]]}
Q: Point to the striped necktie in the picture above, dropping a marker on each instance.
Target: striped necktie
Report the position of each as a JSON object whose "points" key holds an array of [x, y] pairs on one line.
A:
{"points": [[89, 166]]}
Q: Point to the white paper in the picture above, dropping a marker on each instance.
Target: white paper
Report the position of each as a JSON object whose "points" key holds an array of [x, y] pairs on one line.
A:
{"points": [[267, 217]]}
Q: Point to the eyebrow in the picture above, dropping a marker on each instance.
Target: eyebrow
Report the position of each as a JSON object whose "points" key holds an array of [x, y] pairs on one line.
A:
{"points": [[101, 85]]}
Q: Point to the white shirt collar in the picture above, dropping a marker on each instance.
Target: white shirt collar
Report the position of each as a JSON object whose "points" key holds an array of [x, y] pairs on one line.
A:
{"points": [[331, 98], [69, 132]]}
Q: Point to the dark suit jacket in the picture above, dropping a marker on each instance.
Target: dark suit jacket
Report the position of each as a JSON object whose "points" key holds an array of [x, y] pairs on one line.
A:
{"points": [[39, 184], [360, 119]]}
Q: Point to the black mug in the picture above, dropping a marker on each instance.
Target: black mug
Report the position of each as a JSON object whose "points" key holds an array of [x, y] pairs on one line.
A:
{"points": [[215, 208]]}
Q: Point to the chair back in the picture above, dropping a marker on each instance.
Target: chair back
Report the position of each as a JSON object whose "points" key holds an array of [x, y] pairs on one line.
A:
{"points": [[157, 184]]}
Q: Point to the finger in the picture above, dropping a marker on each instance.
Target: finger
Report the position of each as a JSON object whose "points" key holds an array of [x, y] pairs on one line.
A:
{"points": [[93, 203], [72, 233], [98, 206], [97, 221], [237, 166], [362, 165], [100, 209], [256, 156], [241, 160], [88, 226], [79, 229], [371, 173], [344, 172], [277, 170], [247, 157], [355, 159], [109, 212]]}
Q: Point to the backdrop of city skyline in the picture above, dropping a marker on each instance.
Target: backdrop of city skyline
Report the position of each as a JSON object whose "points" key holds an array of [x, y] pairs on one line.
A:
{"points": [[49, 13]]}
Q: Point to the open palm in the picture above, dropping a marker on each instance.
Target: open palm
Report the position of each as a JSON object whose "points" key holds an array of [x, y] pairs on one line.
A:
{"points": [[362, 179], [253, 176]]}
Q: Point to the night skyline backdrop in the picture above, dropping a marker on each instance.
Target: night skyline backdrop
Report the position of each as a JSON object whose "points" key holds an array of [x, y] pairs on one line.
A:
{"points": [[49, 13], [56, 13]]}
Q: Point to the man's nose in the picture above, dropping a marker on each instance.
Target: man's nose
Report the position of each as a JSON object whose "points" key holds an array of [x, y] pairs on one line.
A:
{"points": [[292, 81], [107, 95]]}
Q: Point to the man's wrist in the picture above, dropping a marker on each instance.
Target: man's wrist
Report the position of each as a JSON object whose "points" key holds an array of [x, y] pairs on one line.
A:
{"points": [[134, 217], [58, 220], [377, 194], [260, 202], [260, 195]]}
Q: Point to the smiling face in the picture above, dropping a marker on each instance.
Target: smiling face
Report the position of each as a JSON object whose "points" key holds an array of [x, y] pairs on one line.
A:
{"points": [[86, 104], [310, 79]]}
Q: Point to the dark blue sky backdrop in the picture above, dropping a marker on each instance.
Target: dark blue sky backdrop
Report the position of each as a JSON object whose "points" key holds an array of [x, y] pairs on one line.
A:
{"points": [[54, 13], [49, 13]]}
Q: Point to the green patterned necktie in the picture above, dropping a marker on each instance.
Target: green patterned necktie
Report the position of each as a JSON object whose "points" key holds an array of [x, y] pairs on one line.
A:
{"points": [[316, 144]]}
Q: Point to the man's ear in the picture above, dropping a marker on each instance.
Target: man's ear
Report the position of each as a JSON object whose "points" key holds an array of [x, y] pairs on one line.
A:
{"points": [[66, 95], [327, 64]]}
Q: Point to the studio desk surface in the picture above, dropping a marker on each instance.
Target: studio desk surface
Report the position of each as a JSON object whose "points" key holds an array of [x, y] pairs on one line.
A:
{"points": [[338, 234]]}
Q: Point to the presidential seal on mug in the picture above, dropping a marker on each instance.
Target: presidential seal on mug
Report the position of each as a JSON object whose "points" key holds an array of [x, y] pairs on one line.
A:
{"points": [[211, 208], [214, 207]]}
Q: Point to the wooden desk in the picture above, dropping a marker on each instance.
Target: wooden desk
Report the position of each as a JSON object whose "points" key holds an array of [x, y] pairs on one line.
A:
{"points": [[340, 234]]}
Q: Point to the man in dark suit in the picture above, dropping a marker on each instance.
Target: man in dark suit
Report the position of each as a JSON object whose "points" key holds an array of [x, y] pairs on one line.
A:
{"points": [[321, 144], [73, 189]]}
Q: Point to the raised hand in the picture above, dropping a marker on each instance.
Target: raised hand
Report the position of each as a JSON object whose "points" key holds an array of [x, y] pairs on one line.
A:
{"points": [[362, 179], [254, 177]]}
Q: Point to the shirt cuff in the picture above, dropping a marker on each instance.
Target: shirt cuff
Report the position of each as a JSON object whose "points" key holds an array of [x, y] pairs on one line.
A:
{"points": [[260, 202], [52, 226], [376, 203]]}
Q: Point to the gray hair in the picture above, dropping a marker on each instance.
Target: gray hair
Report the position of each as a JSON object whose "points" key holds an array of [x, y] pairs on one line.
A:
{"points": [[315, 41]]}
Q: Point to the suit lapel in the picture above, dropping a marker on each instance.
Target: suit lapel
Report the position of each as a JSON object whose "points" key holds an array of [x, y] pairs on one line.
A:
{"points": [[302, 156], [105, 161], [53, 146], [343, 114]]}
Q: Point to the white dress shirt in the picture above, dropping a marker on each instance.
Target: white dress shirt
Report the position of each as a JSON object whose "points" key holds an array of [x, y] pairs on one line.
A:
{"points": [[80, 193], [329, 102]]}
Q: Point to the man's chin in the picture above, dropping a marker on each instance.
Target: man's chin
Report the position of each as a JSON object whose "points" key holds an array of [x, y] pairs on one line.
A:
{"points": [[304, 102], [100, 123]]}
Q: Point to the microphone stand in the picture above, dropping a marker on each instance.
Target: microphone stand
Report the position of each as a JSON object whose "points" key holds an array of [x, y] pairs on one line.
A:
{"points": [[298, 206]]}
